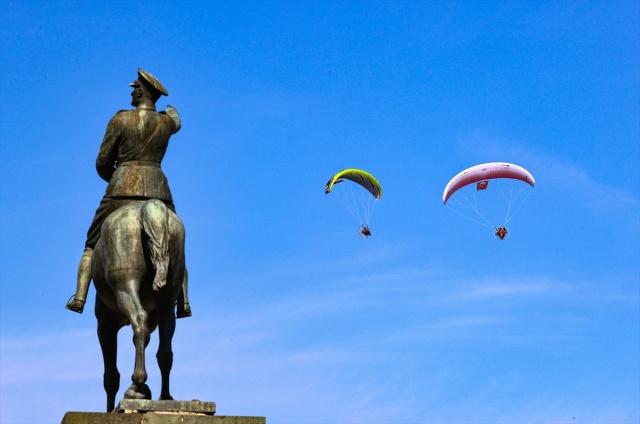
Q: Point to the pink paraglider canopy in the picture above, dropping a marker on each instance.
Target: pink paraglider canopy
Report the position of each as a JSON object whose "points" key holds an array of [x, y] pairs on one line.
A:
{"points": [[486, 171]]}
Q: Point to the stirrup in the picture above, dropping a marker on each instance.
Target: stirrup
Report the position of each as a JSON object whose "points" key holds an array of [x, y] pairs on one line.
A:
{"points": [[75, 305], [184, 311]]}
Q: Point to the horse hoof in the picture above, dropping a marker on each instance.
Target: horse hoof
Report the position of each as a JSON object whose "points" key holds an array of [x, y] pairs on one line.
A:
{"points": [[135, 392], [132, 394]]}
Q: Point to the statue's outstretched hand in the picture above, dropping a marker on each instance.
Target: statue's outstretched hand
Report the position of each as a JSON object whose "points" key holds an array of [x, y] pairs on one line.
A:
{"points": [[173, 113]]}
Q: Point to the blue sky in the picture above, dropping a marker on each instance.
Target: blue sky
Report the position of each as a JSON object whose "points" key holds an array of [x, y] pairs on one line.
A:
{"points": [[297, 318]]}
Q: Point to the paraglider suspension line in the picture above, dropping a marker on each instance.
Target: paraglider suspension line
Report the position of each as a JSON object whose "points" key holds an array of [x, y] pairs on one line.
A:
{"points": [[473, 207], [511, 201], [351, 202]]}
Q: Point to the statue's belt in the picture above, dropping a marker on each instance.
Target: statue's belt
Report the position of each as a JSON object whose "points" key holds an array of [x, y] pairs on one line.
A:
{"points": [[139, 163]]}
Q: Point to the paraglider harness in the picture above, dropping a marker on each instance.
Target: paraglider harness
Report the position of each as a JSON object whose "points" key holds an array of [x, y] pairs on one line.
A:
{"points": [[501, 233], [364, 231]]}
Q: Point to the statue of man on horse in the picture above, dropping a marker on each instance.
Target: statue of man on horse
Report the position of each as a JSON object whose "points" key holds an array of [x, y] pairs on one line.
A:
{"points": [[129, 160], [135, 245]]}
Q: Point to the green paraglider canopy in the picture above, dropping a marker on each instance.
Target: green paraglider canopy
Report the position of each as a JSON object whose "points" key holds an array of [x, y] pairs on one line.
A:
{"points": [[357, 197], [358, 176]]}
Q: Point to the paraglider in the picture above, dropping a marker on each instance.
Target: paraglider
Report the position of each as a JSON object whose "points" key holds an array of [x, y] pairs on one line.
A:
{"points": [[498, 194], [358, 198]]}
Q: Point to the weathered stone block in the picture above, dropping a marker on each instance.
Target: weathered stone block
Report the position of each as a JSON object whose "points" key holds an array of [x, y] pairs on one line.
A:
{"points": [[155, 418], [144, 405], [141, 411]]}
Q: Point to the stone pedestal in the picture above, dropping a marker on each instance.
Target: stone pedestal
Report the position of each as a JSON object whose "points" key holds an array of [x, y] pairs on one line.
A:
{"points": [[194, 407], [131, 411]]}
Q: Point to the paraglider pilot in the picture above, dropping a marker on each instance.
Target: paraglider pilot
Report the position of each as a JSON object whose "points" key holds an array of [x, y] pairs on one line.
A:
{"points": [[501, 232], [365, 231]]}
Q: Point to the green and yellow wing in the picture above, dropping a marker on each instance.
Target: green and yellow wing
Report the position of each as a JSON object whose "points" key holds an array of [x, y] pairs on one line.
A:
{"points": [[358, 176]]}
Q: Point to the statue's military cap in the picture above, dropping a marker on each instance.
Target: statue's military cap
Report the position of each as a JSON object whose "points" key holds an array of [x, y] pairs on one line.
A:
{"points": [[150, 83]]}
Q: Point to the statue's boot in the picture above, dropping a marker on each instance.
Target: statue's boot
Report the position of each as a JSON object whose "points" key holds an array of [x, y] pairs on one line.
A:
{"points": [[184, 310], [84, 278]]}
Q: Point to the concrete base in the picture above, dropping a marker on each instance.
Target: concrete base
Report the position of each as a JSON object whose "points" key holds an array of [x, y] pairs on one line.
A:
{"points": [[134, 411]]}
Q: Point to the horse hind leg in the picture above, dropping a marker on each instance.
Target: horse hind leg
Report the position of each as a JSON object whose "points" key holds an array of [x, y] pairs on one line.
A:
{"points": [[139, 389], [129, 304], [141, 337], [155, 222]]}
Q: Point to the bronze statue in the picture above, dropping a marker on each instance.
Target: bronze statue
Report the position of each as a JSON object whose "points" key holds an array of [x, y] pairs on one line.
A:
{"points": [[135, 245], [129, 160], [138, 269]]}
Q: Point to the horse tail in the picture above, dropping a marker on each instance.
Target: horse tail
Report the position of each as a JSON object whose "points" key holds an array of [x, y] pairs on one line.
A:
{"points": [[154, 215]]}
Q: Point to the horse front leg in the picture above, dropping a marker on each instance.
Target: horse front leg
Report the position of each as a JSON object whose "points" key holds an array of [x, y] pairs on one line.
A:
{"points": [[108, 337]]}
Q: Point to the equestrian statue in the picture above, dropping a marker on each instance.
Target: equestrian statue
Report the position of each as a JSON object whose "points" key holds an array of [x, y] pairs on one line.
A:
{"points": [[135, 245]]}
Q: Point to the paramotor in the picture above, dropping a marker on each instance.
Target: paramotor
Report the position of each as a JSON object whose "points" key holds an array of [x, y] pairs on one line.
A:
{"points": [[489, 193], [358, 198]]}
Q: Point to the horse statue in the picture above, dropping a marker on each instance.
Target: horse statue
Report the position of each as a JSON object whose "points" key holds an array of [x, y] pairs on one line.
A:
{"points": [[138, 269]]}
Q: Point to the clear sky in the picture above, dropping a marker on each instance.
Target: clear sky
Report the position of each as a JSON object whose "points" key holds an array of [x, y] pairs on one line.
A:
{"points": [[296, 317]]}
